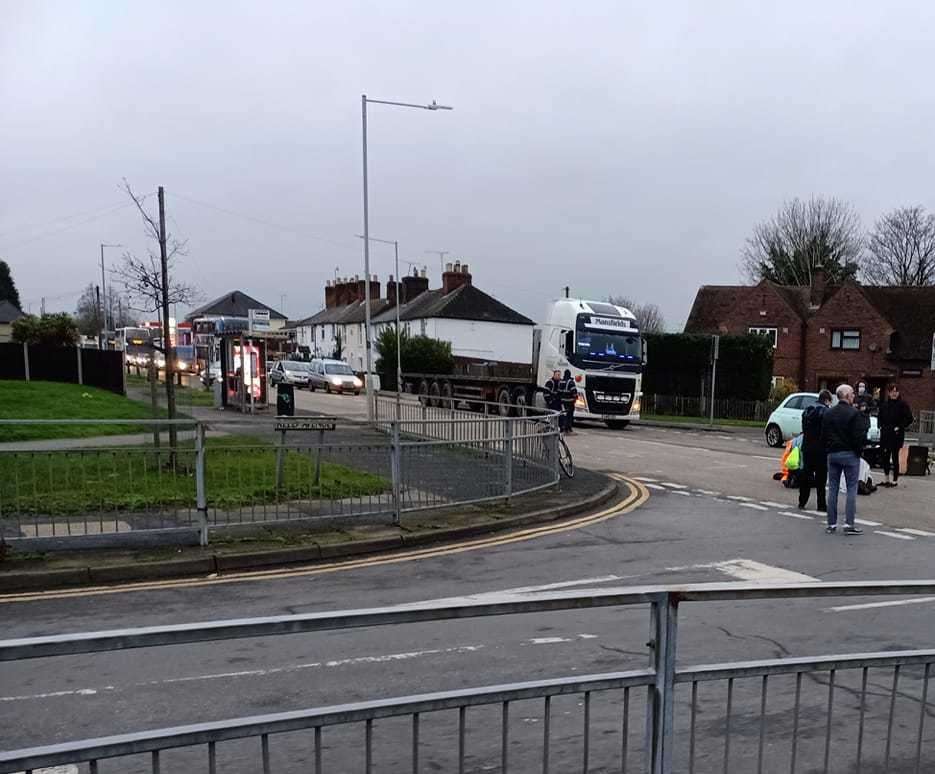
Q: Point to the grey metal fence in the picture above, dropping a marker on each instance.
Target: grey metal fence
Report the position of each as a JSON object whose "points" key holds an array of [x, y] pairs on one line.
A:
{"points": [[234, 471], [783, 714], [925, 423], [700, 406]]}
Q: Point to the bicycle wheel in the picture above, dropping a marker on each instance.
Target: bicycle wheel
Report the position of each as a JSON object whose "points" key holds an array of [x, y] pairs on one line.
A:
{"points": [[564, 458]]}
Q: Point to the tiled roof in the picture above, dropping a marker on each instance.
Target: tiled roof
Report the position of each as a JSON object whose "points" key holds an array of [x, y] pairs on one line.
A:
{"points": [[712, 306], [465, 303], [911, 312], [233, 304], [9, 312]]}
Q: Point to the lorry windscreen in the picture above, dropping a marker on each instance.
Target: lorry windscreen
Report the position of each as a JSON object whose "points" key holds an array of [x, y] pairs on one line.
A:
{"points": [[601, 347]]}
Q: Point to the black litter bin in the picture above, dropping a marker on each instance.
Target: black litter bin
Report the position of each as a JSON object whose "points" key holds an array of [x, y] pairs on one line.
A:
{"points": [[285, 400]]}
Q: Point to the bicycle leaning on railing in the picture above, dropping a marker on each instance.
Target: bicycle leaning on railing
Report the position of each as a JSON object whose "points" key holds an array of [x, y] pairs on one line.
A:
{"points": [[565, 460]]}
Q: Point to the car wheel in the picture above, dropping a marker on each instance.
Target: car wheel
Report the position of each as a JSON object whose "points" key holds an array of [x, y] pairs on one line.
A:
{"points": [[774, 436]]}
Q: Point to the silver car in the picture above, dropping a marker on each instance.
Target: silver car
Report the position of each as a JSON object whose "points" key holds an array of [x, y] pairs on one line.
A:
{"points": [[295, 372], [334, 376]]}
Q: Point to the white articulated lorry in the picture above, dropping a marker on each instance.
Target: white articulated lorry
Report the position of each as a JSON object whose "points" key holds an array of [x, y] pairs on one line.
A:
{"points": [[598, 342]]}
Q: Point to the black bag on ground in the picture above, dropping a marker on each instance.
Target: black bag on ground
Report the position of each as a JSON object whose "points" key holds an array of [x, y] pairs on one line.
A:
{"points": [[917, 462]]}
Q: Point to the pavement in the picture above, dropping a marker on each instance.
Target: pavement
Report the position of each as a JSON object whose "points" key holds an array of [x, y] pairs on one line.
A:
{"points": [[713, 514]]}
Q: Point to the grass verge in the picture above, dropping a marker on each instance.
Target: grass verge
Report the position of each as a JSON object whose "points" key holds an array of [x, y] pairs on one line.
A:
{"points": [[702, 420], [184, 396], [58, 400], [240, 471]]}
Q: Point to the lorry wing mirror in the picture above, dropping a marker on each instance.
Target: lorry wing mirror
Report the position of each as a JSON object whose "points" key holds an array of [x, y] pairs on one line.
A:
{"points": [[645, 350], [569, 342]]}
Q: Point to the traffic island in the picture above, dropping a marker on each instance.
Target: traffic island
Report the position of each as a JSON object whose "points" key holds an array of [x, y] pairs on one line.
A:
{"points": [[281, 545]]}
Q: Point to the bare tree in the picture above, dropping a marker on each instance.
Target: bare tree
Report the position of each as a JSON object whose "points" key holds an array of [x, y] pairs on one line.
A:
{"points": [[150, 286], [901, 249], [805, 237], [88, 312], [648, 316]]}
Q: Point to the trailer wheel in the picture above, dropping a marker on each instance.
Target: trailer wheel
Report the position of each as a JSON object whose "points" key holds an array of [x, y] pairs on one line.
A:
{"points": [[447, 395], [520, 401], [424, 392], [434, 394], [504, 402]]}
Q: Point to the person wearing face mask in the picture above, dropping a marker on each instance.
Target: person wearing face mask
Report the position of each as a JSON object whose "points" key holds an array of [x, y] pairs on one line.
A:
{"points": [[863, 400], [895, 416]]}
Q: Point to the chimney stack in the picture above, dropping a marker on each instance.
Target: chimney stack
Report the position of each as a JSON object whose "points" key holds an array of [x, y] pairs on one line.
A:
{"points": [[454, 277], [817, 291], [330, 294], [413, 285], [391, 286]]}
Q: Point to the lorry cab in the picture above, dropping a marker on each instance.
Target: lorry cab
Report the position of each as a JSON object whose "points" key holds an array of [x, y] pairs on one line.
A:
{"points": [[601, 345]]}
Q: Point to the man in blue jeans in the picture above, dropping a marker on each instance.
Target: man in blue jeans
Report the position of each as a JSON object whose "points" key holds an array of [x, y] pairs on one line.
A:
{"points": [[843, 435]]}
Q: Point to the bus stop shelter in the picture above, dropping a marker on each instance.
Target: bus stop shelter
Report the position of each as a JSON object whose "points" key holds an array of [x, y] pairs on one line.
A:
{"points": [[244, 379]]}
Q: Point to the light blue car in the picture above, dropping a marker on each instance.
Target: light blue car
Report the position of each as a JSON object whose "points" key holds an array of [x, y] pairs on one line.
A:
{"points": [[786, 421]]}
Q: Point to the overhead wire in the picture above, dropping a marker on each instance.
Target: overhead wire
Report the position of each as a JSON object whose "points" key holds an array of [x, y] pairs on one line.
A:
{"points": [[97, 216]]}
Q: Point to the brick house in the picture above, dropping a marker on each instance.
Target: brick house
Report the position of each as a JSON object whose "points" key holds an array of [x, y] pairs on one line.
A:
{"points": [[828, 334]]}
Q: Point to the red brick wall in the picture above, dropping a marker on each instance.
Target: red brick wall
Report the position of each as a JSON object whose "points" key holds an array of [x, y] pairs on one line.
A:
{"points": [[847, 308], [748, 312]]}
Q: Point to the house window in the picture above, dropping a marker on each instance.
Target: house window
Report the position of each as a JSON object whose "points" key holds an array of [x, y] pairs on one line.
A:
{"points": [[770, 333], [845, 339]]}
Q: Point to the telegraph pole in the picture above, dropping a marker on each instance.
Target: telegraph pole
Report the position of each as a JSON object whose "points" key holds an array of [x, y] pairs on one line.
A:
{"points": [[166, 340], [100, 317]]}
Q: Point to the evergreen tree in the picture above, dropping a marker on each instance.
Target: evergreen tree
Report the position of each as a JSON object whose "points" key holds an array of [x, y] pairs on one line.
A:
{"points": [[8, 291]]}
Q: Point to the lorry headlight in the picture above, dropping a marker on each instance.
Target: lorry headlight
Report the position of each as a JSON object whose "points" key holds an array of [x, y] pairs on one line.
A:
{"points": [[580, 402], [636, 405]]}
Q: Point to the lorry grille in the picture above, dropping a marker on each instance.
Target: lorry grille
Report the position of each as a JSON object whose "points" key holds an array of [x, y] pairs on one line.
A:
{"points": [[609, 394]]}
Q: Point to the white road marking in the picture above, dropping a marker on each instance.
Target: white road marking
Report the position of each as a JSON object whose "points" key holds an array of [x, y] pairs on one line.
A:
{"points": [[709, 492], [680, 492], [771, 504], [754, 506], [891, 603], [748, 569], [587, 636], [739, 498], [795, 515], [761, 457], [548, 640], [68, 768], [656, 486], [822, 513], [672, 485], [867, 523], [381, 659], [917, 532], [893, 535], [645, 478]]}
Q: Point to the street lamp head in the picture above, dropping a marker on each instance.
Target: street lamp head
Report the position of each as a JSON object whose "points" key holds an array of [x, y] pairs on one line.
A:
{"points": [[436, 106]]}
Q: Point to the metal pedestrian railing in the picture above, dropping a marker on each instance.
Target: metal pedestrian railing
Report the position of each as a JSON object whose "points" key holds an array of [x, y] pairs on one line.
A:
{"points": [[229, 472], [782, 714]]}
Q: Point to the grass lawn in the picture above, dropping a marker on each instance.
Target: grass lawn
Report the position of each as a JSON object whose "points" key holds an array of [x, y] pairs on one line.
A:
{"points": [[239, 471], [703, 420], [58, 400], [184, 396]]}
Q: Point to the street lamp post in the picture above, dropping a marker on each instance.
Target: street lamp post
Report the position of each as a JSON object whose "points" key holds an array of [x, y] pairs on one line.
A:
{"points": [[104, 297], [366, 236], [399, 360]]}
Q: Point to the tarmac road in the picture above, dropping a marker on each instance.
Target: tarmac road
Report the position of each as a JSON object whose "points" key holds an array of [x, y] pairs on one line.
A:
{"points": [[681, 534]]}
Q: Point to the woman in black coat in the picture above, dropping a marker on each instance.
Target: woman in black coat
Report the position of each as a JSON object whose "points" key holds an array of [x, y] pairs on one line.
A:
{"points": [[895, 416]]}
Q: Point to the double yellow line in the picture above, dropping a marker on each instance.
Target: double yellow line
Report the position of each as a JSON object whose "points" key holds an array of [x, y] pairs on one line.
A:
{"points": [[638, 495]]}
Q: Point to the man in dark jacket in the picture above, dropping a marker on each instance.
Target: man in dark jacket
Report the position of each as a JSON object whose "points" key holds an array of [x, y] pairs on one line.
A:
{"points": [[814, 470], [895, 416], [843, 435], [553, 396], [569, 392]]}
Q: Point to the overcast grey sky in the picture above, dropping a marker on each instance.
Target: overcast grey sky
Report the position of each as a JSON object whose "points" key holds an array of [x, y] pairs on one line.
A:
{"points": [[616, 147]]}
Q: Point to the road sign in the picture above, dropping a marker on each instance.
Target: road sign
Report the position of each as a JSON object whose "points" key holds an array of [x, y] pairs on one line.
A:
{"points": [[305, 424], [259, 319]]}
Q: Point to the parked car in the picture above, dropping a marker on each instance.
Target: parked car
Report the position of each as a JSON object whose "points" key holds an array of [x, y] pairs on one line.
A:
{"points": [[210, 374], [296, 372], [786, 421], [334, 376]]}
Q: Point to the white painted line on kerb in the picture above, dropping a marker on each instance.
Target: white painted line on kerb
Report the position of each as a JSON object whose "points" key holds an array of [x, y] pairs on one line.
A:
{"points": [[795, 515], [740, 498], [866, 522], [754, 506], [672, 485], [891, 603], [893, 535], [916, 532]]}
